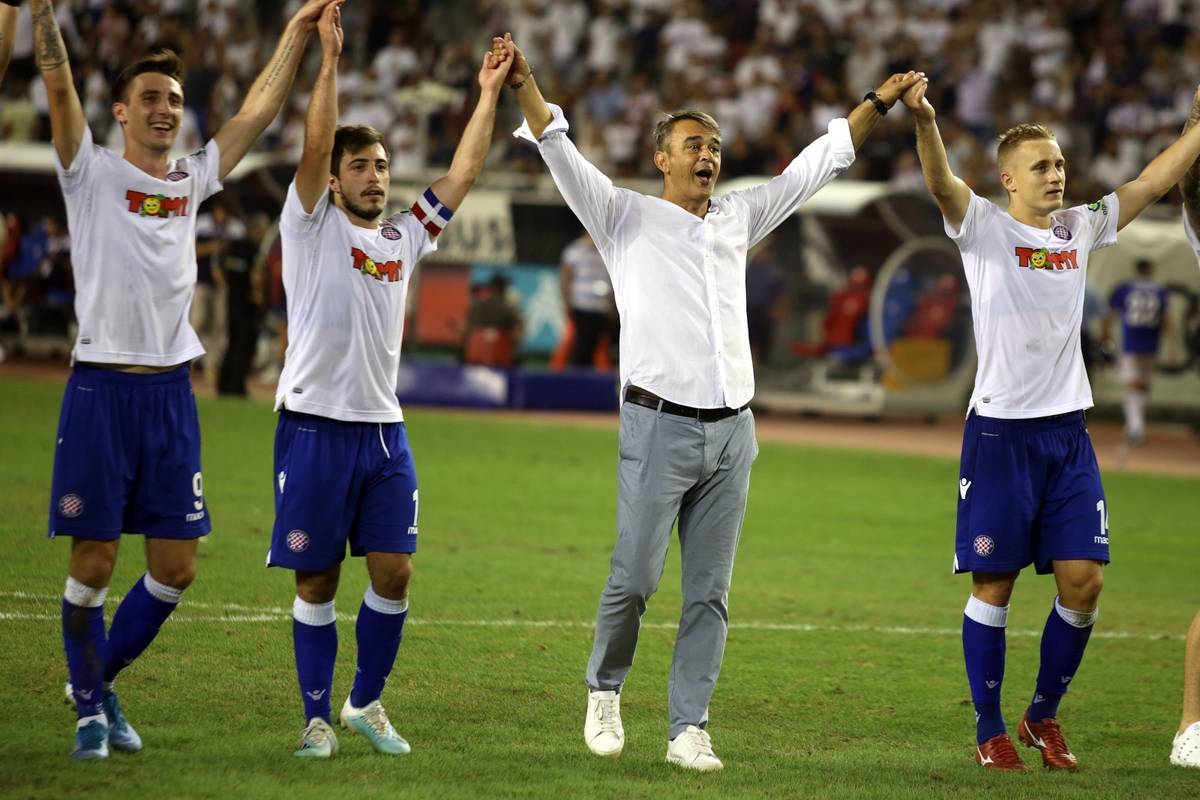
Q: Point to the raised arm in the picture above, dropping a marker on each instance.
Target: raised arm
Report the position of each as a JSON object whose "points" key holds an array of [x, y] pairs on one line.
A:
{"points": [[866, 116], [520, 78], [1189, 186], [1167, 169], [272, 85], [8, 29], [312, 175], [477, 138], [67, 122], [948, 190]]}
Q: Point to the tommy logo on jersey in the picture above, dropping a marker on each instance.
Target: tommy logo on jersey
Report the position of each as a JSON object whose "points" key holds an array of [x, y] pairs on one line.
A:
{"points": [[390, 271], [431, 213], [156, 205], [1041, 258]]}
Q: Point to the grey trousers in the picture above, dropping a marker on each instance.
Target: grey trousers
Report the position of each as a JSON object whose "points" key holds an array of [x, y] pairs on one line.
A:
{"points": [[670, 468]]}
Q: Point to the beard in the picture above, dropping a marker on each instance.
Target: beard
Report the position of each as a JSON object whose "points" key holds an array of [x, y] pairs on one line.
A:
{"points": [[360, 212]]}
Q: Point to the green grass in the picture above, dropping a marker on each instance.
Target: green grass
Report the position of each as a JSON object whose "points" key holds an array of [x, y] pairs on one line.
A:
{"points": [[517, 525]]}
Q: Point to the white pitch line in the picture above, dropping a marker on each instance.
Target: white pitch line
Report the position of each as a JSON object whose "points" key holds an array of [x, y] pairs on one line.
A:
{"points": [[258, 614]]}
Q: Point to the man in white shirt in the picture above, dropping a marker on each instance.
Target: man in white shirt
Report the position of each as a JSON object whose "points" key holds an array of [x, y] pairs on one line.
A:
{"points": [[678, 269], [588, 299], [1185, 751], [128, 448], [1029, 488], [343, 467]]}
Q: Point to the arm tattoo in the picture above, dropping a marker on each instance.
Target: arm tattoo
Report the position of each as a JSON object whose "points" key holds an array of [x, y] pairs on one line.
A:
{"points": [[276, 66], [51, 53]]}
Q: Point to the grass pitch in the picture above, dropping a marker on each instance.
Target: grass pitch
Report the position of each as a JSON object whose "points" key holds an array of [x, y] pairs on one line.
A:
{"points": [[843, 673]]}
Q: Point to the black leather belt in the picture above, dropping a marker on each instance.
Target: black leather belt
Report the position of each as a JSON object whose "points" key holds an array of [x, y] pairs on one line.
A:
{"points": [[640, 397]]}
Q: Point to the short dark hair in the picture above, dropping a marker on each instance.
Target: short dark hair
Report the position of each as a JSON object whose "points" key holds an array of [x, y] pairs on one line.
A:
{"points": [[351, 139], [1144, 266], [662, 130], [166, 62]]}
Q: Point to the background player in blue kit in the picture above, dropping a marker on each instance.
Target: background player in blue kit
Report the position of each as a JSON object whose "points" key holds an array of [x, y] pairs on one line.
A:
{"points": [[344, 472], [1029, 488], [1141, 305], [128, 454]]}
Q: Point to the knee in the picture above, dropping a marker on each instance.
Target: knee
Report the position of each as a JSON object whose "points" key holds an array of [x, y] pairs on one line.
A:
{"points": [[317, 587], [639, 587], [1082, 593], [394, 584], [177, 576]]}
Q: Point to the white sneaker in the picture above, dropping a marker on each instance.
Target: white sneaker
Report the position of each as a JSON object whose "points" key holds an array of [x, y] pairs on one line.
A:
{"points": [[372, 722], [602, 729], [318, 740], [692, 749], [1186, 752]]}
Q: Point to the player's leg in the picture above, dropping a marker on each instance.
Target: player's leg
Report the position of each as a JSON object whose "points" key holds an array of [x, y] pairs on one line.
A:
{"points": [[386, 533], [710, 525], [89, 572], [315, 641], [660, 456], [1186, 749], [985, 620]]}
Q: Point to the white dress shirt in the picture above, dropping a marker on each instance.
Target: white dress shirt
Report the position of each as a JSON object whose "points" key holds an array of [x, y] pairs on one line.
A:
{"points": [[679, 280]]}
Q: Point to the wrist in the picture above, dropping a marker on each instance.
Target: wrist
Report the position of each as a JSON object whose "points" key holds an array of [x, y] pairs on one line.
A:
{"points": [[881, 105], [520, 82]]}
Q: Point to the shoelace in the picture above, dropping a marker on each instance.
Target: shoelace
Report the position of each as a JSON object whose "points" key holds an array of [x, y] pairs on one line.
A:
{"points": [[1052, 736], [377, 718], [701, 741], [315, 734], [1003, 752], [606, 713]]}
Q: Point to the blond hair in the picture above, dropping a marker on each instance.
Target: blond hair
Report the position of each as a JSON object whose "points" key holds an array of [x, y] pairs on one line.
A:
{"points": [[1016, 135]]}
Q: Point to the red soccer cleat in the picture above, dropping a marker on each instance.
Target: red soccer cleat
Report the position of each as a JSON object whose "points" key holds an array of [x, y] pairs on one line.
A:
{"points": [[999, 754], [1047, 737]]}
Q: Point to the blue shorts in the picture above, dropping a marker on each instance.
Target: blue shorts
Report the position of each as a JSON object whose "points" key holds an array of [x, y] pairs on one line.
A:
{"points": [[128, 457], [337, 481], [1029, 492]]}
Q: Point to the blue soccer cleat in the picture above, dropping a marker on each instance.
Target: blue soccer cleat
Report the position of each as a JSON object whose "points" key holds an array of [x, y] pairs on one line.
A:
{"points": [[121, 734], [91, 741], [372, 722], [317, 741]]}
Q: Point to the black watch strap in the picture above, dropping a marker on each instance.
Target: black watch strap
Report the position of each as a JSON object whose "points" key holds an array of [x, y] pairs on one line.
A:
{"points": [[880, 106]]}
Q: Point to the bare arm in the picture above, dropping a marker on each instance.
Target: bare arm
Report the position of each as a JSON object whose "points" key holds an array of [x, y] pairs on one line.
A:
{"points": [[270, 88], [477, 138], [1168, 167], [1189, 186], [8, 29], [312, 175], [67, 122], [520, 78], [948, 190], [865, 117]]}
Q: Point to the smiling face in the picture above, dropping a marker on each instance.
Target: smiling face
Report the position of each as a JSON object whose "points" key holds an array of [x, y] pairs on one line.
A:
{"points": [[151, 111], [360, 186], [690, 160], [1035, 175]]}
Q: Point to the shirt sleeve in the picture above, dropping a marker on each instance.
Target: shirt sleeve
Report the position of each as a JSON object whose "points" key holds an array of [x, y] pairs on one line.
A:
{"points": [[973, 223], [205, 164], [298, 223], [1101, 220], [774, 201], [72, 176], [588, 191]]}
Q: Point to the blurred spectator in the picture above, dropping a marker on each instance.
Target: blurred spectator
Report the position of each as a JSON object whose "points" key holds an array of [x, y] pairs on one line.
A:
{"points": [[766, 300], [493, 325], [215, 229], [588, 298], [240, 259]]}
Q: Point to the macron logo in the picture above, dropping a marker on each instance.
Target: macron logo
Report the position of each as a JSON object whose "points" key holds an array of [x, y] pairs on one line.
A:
{"points": [[963, 486], [282, 480]]}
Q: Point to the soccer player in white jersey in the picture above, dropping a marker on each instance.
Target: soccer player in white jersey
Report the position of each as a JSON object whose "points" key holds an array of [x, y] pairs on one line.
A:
{"points": [[1029, 490], [344, 472], [1185, 751], [678, 268], [128, 453]]}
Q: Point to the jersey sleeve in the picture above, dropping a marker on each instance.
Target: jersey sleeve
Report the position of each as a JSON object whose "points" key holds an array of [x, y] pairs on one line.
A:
{"points": [[74, 175], [769, 204], [297, 223], [974, 222], [1101, 220], [205, 164], [588, 192]]}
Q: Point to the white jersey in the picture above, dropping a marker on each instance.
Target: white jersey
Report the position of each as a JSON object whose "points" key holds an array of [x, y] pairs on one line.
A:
{"points": [[1192, 238], [346, 291], [1027, 291], [133, 250], [590, 288]]}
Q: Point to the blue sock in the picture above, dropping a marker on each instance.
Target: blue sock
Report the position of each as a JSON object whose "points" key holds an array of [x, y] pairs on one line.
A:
{"points": [[379, 629], [1064, 639], [983, 650], [137, 621], [83, 641], [314, 635]]}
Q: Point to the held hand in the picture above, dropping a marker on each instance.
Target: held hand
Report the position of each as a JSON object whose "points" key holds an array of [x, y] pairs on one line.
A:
{"points": [[495, 69], [520, 67], [891, 89], [308, 15], [329, 26], [914, 99]]}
